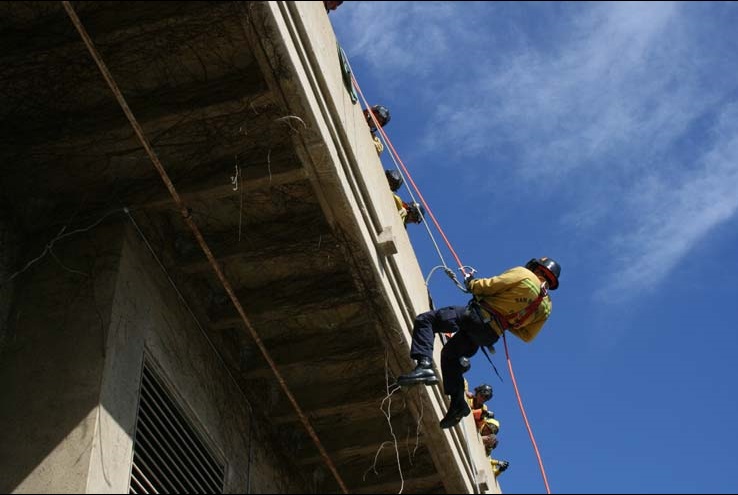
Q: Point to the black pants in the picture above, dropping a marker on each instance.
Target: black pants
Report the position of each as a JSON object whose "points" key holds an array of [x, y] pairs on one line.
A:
{"points": [[469, 331]]}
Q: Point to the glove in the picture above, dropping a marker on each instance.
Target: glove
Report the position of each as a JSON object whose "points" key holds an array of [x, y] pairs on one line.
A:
{"points": [[467, 281], [503, 465]]}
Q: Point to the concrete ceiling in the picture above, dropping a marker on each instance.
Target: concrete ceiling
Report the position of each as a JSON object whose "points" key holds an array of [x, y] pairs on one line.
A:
{"points": [[190, 75]]}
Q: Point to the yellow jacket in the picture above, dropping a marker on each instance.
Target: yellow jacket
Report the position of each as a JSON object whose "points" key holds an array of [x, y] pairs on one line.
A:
{"points": [[510, 294], [400, 207], [378, 144], [497, 466]]}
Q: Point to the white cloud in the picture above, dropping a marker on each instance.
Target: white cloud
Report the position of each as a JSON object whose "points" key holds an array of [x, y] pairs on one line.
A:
{"points": [[398, 37], [595, 92], [600, 98], [676, 216]]}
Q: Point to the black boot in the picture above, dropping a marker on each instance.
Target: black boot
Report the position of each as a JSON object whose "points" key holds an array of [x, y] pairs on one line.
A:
{"points": [[423, 373], [457, 410]]}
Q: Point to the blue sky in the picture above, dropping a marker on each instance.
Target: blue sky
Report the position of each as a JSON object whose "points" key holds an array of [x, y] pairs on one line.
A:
{"points": [[605, 136]]}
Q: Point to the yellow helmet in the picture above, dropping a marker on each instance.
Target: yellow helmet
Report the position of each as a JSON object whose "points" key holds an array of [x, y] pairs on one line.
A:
{"points": [[491, 424]]}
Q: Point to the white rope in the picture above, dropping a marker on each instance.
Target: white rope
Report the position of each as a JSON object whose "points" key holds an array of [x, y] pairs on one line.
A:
{"points": [[450, 274], [414, 200], [446, 269], [409, 190]]}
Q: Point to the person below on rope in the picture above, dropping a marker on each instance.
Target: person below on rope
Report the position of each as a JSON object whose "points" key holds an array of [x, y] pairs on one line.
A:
{"points": [[516, 300], [409, 213], [382, 114], [498, 466]]}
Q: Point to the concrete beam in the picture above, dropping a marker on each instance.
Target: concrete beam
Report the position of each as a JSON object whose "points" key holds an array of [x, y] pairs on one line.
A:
{"points": [[131, 38], [355, 410], [383, 477], [370, 387], [270, 228], [291, 255], [287, 312], [284, 298], [367, 451], [102, 129], [210, 192], [422, 484], [351, 366], [334, 344], [305, 324], [101, 21]]}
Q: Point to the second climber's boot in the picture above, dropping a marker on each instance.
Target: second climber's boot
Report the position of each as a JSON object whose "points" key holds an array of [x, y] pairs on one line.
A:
{"points": [[423, 373]]}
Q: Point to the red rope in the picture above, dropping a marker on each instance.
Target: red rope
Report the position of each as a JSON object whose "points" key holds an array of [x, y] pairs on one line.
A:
{"points": [[525, 416], [461, 267], [409, 177]]}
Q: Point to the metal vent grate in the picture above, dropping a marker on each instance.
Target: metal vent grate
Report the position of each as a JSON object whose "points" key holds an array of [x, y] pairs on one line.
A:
{"points": [[169, 456]]}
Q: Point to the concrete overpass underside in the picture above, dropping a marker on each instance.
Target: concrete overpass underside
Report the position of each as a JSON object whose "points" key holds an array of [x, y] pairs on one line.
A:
{"points": [[277, 170]]}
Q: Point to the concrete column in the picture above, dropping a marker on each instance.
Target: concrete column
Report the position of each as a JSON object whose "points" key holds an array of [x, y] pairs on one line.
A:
{"points": [[83, 323], [51, 369]]}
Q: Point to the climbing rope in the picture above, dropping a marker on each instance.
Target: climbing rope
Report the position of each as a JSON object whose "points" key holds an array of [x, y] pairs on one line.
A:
{"points": [[525, 416], [448, 272], [403, 172], [406, 173], [463, 268], [412, 196]]}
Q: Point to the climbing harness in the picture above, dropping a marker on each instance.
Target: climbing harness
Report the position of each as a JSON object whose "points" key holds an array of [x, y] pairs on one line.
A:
{"points": [[503, 322]]}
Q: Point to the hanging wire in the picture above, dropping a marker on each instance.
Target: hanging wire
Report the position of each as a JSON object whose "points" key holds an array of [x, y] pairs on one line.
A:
{"points": [[187, 217]]}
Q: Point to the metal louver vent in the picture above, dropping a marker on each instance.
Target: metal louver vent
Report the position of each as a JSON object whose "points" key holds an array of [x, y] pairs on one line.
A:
{"points": [[169, 456]]}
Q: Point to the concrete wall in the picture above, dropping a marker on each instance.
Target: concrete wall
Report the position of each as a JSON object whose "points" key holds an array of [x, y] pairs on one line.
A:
{"points": [[70, 379], [8, 253], [51, 365]]}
